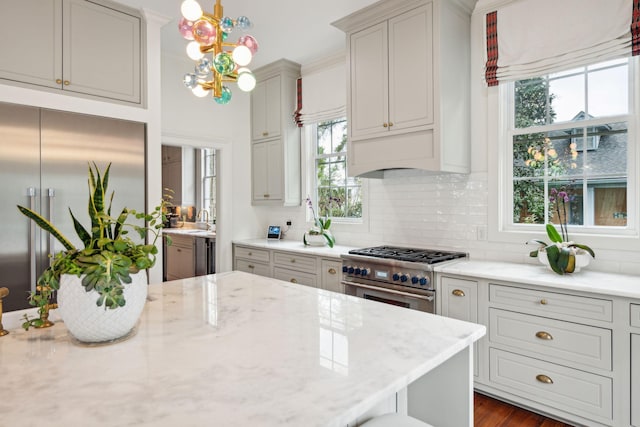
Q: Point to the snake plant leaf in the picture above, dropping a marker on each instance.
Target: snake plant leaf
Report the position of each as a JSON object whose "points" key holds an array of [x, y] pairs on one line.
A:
{"points": [[120, 222], [83, 234], [47, 226], [586, 248], [552, 255], [553, 234]]}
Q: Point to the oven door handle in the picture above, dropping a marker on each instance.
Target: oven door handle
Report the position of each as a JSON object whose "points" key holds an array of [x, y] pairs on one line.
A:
{"points": [[391, 291]]}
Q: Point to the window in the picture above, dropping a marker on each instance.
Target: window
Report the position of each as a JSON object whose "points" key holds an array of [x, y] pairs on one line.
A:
{"points": [[338, 196], [209, 182], [570, 131]]}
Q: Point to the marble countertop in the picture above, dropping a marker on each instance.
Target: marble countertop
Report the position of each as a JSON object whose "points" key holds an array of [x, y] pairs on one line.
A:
{"points": [[195, 232], [230, 349], [296, 246], [585, 281]]}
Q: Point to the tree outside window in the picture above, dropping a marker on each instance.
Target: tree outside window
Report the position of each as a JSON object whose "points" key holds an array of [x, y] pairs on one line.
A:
{"points": [[570, 133], [338, 196]]}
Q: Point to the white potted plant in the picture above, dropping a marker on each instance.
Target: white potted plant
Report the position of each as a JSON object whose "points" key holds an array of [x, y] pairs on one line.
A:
{"points": [[102, 288]]}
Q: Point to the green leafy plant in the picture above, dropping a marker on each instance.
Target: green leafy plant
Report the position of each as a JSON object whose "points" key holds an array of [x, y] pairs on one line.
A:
{"points": [[109, 256], [321, 227], [561, 253]]}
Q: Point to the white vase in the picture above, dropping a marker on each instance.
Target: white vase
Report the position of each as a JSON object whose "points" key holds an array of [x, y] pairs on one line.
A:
{"points": [[582, 259], [92, 324], [315, 239]]}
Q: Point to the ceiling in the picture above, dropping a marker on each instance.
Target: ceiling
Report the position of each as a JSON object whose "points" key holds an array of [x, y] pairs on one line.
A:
{"points": [[297, 30]]}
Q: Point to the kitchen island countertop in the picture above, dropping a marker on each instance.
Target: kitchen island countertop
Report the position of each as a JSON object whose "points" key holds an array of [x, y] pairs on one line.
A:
{"points": [[231, 349]]}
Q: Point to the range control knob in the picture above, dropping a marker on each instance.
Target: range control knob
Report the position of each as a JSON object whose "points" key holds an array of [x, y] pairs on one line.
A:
{"points": [[395, 277], [358, 270], [404, 278], [345, 269], [350, 270], [414, 279], [424, 281], [364, 272]]}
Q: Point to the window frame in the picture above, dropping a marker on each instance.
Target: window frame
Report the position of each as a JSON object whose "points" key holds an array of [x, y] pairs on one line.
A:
{"points": [[501, 127]]}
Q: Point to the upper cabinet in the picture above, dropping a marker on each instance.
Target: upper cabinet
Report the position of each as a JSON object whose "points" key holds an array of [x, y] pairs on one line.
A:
{"points": [[72, 45], [408, 87], [275, 152]]}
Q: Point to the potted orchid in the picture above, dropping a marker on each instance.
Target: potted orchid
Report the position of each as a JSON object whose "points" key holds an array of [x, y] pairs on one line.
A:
{"points": [[318, 234], [561, 255]]}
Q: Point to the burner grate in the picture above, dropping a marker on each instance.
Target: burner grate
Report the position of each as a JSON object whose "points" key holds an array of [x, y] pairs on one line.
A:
{"points": [[427, 256]]}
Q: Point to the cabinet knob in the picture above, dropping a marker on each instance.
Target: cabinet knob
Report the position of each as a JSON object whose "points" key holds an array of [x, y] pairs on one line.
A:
{"points": [[544, 335], [332, 271], [67, 82], [59, 81], [250, 253], [390, 124], [543, 301], [265, 133], [457, 292], [293, 260], [294, 281], [251, 266], [544, 379], [384, 125], [178, 250], [266, 196]]}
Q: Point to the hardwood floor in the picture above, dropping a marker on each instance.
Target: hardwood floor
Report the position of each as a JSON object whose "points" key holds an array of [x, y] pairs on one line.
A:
{"points": [[489, 412]]}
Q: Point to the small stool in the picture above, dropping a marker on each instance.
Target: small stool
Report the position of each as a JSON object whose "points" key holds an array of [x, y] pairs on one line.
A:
{"points": [[394, 420]]}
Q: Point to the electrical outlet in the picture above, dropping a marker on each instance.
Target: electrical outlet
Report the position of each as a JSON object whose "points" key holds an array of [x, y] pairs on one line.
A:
{"points": [[289, 223], [482, 232]]}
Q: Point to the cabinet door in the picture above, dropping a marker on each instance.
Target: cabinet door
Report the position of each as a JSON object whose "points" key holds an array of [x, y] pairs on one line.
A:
{"points": [[172, 179], [101, 51], [267, 170], [369, 82], [331, 277], [31, 41], [266, 109], [180, 262], [635, 380], [411, 69], [460, 299]]}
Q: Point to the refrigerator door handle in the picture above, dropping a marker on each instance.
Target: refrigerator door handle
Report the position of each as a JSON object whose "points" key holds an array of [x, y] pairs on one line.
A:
{"points": [[31, 193], [51, 193]]}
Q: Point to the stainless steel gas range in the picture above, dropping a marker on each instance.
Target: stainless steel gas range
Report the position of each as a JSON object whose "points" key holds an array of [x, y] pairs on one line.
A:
{"points": [[394, 275]]}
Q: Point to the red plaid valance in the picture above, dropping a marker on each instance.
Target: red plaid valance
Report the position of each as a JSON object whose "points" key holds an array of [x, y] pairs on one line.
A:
{"points": [[635, 28], [492, 49]]}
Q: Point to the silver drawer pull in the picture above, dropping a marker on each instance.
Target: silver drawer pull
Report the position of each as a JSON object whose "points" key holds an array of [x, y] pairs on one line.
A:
{"points": [[294, 281], [458, 292], [332, 271], [544, 379], [543, 301], [544, 335]]}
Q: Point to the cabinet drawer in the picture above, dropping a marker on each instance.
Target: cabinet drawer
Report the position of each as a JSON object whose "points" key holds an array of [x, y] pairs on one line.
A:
{"points": [[181, 241], [557, 386], [562, 342], [295, 261], [635, 380], [252, 253], [635, 315], [564, 306], [294, 276], [253, 267]]}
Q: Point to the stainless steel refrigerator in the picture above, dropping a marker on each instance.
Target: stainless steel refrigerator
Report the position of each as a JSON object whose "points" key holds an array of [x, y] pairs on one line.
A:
{"points": [[44, 157]]}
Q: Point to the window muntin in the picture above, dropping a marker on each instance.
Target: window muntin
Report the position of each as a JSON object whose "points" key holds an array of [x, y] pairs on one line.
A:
{"points": [[338, 196], [569, 131]]}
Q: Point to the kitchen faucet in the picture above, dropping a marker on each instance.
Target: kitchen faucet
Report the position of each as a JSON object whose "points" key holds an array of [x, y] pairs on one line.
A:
{"points": [[203, 215]]}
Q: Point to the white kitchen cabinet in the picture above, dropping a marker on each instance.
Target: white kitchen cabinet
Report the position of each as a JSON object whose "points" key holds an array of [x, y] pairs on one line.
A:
{"points": [[266, 111], [267, 170], [72, 45], [408, 88], [331, 276], [275, 153], [181, 262], [635, 380], [295, 276]]}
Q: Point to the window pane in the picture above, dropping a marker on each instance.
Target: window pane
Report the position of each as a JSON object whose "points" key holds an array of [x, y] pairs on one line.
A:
{"points": [[529, 154], [608, 91], [568, 97], [610, 203], [531, 103], [324, 139], [339, 137], [323, 172], [528, 202], [354, 202]]}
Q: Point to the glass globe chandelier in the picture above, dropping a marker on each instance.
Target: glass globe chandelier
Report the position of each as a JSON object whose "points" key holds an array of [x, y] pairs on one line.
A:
{"points": [[217, 61]]}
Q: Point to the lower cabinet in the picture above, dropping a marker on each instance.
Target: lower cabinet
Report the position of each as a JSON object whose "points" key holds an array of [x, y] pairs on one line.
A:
{"points": [[180, 258], [635, 380], [290, 266]]}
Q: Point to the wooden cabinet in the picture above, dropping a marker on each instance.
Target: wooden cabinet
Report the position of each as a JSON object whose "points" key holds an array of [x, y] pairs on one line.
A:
{"points": [[266, 111], [635, 380], [180, 258], [275, 152], [72, 45], [331, 276], [408, 87]]}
